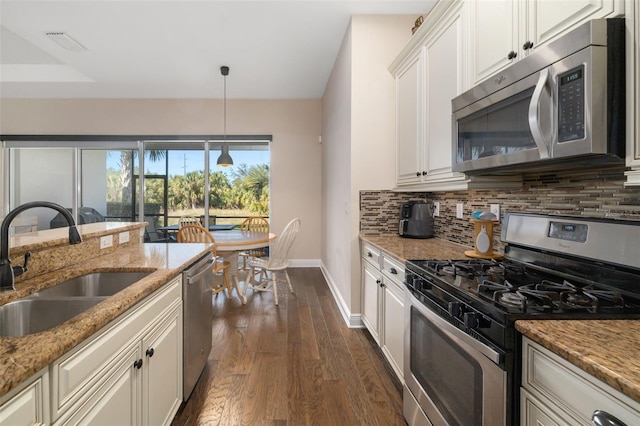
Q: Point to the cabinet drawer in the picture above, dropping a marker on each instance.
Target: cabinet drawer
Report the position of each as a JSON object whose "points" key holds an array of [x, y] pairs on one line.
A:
{"points": [[551, 378], [393, 269], [75, 373], [371, 254]]}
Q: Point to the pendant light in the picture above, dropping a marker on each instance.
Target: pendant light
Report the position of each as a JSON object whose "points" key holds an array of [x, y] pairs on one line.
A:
{"points": [[225, 159]]}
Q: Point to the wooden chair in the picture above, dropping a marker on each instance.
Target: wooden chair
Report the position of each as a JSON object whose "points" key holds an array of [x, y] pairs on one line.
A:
{"points": [[255, 223], [277, 262], [188, 220], [199, 234]]}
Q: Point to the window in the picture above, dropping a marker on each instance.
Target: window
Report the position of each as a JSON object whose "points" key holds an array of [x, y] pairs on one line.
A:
{"points": [[180, 178]]}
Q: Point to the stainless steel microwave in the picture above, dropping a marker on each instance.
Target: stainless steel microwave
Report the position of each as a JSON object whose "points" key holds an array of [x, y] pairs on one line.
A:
{"points": [[564, 103]]}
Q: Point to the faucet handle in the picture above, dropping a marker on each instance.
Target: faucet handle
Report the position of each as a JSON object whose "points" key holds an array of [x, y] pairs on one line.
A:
{"points": [[19, 270]]}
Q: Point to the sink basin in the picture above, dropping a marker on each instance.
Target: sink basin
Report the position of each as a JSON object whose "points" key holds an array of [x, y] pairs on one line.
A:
{"points": [[92, 285], [28, 316]]}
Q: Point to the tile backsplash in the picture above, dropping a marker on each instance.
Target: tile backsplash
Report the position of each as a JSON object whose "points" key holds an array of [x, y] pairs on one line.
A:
{"points": [[589, 193]]}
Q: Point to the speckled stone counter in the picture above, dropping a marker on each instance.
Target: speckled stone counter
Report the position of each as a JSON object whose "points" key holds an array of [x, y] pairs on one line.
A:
{"points": [[607, 349], [411, 248], [21, 357]]}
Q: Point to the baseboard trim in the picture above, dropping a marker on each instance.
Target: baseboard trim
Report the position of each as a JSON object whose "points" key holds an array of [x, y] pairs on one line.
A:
{"points": [[352, 320], [305, 263]]}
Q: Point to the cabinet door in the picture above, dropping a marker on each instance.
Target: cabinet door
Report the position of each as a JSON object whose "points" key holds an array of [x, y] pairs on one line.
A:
{"points": [[445, 79], [29, 406], [162, 371], [535, 413], [393, 327], [547, 19], [116, 402], [409, 121], [492, 37], [371, 281]]}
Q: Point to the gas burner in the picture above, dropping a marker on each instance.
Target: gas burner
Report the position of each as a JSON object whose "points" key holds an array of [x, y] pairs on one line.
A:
{"points": [[512, 299]]}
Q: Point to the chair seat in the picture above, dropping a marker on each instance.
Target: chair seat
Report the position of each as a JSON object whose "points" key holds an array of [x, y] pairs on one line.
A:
{"points": [[264, 263]]}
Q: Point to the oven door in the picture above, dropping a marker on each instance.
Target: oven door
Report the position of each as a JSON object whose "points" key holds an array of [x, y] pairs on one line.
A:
{"points": [[450, 378]]}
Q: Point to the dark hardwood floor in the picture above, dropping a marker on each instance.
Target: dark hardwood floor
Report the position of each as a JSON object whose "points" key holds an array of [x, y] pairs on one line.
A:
{"points": [[294, 364]]}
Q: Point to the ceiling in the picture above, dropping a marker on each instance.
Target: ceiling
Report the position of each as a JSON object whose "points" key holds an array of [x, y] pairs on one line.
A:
{"points": [[174, 49]]}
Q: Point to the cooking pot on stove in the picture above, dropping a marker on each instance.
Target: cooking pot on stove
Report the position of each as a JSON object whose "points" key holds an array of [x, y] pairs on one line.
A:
{"points": [[416, 220]]}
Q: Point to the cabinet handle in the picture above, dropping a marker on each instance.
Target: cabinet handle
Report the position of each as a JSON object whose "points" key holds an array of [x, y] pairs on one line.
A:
{"points": [[512, 55], [424, 173], [417, 173], [393, 271], [381, 285], [602, 418], [378, 281], [150, 352], [369, 254], [138, 364], [528, 45]]}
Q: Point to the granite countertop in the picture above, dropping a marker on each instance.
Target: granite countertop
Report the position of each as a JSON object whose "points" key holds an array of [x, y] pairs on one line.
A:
{"points": [[607, 349], [21, 357], [412, 248]]}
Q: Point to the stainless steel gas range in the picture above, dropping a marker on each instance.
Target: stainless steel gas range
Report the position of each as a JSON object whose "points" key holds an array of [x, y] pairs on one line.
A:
{"points": [[462, 353]]}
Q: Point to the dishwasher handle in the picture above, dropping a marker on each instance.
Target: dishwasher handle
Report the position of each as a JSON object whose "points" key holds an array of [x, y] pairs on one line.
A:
{"points": [[201, 270]]}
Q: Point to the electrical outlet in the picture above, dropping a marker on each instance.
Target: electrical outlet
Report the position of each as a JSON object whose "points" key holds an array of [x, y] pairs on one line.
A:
{"points": [[495, 209], [106, 241], [436, 208], [123, 237], [459, 210]]}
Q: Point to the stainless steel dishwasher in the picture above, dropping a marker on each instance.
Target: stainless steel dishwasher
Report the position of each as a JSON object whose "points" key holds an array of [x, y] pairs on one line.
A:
{"points": [[197, 308]]}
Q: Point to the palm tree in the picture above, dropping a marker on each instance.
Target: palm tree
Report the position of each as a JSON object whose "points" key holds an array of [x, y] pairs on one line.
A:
{"points": [[126, 168]]}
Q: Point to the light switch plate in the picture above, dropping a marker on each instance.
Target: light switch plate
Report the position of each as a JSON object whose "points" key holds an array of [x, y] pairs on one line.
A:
{"points": [[106, 241], [436, 208], [459, 210], [123, 237]]}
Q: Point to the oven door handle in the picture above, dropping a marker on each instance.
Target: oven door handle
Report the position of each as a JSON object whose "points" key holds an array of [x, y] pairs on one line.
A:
{"points": [[455, 333]]}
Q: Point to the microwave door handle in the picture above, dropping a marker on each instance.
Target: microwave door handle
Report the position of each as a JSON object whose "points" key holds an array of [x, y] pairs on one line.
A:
{"points": [[534, 116]]}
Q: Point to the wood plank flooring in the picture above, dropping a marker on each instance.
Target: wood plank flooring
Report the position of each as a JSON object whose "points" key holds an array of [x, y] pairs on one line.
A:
{"points": [[295, 364]]}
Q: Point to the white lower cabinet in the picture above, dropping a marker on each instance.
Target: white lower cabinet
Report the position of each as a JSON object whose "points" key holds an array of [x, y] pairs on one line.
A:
{"points": [[383, 304], [128, 373], [556, 392], [28, 404]]}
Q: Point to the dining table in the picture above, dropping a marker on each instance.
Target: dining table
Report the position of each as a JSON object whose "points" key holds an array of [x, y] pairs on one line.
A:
{"points": [[230, 243], [173, 229]]}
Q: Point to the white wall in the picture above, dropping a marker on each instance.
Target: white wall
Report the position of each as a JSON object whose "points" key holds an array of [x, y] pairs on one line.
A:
{"points": [[294, 124], [358, 146], [336, 177]]}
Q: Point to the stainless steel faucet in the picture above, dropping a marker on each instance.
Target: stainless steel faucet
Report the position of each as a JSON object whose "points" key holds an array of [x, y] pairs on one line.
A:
{"points": [[8, 272]]}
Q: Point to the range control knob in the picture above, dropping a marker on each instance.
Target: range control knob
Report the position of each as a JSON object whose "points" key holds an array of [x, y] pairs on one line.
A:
{"points": [[455, 309], [424, 284], [474, 320]]}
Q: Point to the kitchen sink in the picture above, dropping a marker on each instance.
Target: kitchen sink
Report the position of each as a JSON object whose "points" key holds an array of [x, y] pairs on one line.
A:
{"points": [[54, 305], [32, 315], [92, 285]]}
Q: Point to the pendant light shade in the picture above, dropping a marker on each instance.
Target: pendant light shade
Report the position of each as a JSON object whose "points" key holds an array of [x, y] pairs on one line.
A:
{"points": [[225, 159]]}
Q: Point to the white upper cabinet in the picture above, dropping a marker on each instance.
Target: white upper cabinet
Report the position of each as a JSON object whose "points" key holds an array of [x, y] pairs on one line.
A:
{"points": [[504, 31], [493, 36], [430, 71], [409, 164], [633, 92]]}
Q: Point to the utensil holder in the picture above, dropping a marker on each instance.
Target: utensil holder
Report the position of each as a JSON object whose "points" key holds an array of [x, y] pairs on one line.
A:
{"points": [[478, 226]]}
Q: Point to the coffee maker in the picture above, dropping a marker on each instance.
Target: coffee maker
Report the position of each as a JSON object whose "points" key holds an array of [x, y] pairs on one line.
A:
{"points": [[416, 220]]}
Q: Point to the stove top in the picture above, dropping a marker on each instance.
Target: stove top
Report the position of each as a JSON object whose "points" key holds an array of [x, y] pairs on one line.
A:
{"points": [[516, 289]]}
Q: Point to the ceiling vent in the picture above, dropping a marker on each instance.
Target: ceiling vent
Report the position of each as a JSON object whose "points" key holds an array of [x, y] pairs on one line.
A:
{"points": [[67, 42]]}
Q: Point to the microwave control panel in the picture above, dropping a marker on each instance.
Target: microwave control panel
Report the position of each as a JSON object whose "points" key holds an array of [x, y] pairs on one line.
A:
{"points": [[571, 105]]}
